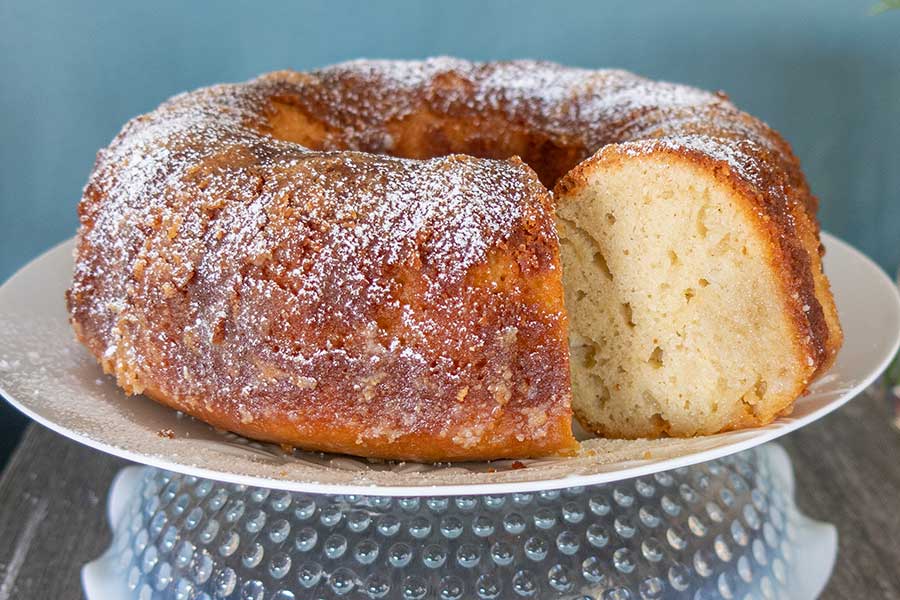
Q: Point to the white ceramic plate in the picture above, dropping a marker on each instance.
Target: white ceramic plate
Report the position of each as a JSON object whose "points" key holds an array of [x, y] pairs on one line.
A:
{"points": [[52, 379]]}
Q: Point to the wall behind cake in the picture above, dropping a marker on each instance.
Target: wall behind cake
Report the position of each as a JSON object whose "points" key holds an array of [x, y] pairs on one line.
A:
{"points": [[823, 72]]}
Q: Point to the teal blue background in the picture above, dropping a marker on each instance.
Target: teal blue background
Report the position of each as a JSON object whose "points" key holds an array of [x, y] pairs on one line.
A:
{"points": [[822, 72]]}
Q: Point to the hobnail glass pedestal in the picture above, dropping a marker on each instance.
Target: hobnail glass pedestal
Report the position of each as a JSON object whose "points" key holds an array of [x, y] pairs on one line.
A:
{"points": [[727, 528]]}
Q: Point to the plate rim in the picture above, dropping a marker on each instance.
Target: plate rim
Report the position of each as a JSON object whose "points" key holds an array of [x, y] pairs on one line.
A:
{"points": [[534, 485]]}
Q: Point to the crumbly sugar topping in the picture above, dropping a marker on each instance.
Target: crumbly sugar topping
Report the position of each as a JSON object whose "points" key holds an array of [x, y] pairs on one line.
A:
{"points": [[585, 108], [562, 101]]}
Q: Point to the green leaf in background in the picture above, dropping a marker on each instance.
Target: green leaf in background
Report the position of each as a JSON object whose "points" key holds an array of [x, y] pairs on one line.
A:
{"points": [[883, 6], [893, 373]]}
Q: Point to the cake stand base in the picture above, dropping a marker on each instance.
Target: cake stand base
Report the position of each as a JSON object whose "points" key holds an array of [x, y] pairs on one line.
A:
{"points": [[723, 529]]}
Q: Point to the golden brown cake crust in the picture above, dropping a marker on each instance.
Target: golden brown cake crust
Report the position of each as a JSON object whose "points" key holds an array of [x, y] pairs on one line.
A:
{"points": [[265, 256]]}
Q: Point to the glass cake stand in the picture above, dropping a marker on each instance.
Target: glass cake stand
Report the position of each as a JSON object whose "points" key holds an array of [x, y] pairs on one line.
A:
{"points": [[213, 515], [727, 528]]}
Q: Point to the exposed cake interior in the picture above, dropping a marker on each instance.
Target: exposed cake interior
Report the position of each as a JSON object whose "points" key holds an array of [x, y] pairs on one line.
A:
{"points": [[676, 325]]}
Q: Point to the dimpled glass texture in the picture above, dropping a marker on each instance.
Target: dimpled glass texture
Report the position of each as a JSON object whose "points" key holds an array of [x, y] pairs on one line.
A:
{"points": [[722, 529]]}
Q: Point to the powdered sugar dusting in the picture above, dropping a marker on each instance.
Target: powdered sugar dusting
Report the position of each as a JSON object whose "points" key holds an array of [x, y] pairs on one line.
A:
{"points": [[741, 156], [576, 109], [579, 105]]}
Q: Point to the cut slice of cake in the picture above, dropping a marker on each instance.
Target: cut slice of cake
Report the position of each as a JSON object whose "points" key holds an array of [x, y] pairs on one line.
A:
{"points": [[694, 306]]}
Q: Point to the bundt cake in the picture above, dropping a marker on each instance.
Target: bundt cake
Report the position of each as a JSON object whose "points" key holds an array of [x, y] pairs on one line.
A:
{"points": [[366, 259]]}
